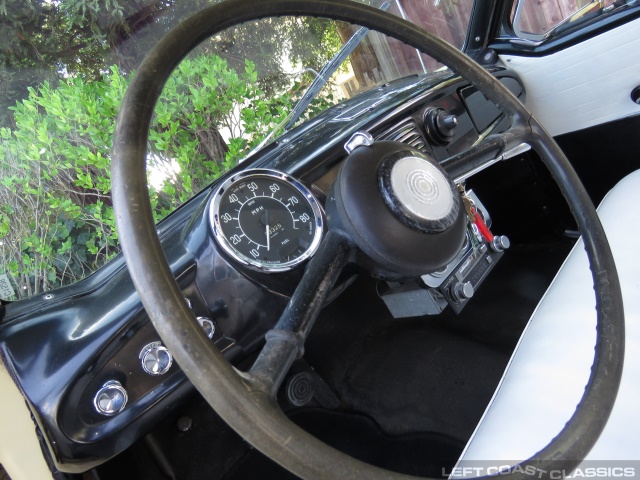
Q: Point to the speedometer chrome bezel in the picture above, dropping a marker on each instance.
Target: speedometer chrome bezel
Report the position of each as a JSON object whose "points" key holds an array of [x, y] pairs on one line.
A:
{"points": [[221, 239]]}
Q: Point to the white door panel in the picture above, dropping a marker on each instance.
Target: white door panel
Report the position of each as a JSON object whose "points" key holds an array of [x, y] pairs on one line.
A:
{"points": [[584, 85]]}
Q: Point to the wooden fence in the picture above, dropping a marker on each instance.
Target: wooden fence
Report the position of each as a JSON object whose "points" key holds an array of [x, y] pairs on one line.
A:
{"points": [[540, 16], [379, 59], [447, 19]]}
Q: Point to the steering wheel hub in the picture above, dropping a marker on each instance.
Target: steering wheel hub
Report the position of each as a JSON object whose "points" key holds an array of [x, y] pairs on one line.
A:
{"points": [[400, 209], [418, 192]]}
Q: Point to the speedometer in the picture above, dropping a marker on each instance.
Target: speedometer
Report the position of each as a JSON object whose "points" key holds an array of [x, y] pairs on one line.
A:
{"points": [[266, 220]]}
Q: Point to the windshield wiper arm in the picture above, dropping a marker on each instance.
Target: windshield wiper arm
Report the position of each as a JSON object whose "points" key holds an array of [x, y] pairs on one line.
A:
{"points": [[330, 67], [321, 78]]}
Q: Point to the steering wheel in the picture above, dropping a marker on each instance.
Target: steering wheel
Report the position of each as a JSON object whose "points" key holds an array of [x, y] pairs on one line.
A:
{"points": [[247, 400]]}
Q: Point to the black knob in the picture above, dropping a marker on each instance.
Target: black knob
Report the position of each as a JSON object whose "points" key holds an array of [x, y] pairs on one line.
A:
{"points": [[635, 95], [448, 122], [439, 125]]}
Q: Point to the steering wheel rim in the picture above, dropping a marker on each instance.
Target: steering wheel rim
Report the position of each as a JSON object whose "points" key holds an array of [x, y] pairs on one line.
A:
{"points": [[240, 400]]}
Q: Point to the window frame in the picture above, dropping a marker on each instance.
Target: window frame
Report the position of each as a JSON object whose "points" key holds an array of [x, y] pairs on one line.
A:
{"points": [[505, 40], [541, 37]]}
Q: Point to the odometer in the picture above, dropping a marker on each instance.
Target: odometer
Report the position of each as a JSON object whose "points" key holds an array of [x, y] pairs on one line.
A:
{"points": [[266, 220]]}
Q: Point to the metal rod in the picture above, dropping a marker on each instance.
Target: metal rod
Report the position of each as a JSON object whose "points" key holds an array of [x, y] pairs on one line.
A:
{"points": [[486, 153], [330, 67]]}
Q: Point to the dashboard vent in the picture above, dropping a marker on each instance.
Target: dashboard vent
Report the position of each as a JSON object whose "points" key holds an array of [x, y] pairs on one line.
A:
{"points": [[406, 132]]}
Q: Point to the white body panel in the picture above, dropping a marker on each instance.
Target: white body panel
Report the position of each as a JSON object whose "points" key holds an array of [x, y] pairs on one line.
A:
{"points": [[584, 85], [20, 452]]}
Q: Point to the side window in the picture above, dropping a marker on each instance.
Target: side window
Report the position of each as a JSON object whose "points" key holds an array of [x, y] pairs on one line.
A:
{"points": [[537, 19]]}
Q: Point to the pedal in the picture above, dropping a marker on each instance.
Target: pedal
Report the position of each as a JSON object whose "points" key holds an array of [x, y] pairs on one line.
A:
{"points": [[303, 387]]}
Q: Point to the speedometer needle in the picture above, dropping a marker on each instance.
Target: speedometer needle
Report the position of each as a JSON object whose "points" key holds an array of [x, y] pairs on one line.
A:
{"points": [[268, 240]]}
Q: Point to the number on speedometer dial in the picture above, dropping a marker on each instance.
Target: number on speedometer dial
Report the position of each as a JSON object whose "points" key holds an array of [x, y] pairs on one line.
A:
{"points": [[266, 220]]}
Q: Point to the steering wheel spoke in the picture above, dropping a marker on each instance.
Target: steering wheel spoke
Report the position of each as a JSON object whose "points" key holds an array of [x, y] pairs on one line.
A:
{"points": [[285, 342]]}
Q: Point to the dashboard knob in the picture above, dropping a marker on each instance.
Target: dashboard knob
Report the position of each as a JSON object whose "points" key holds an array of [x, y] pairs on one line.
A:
{"points": [[156, 359], [207, 325], [500, 243], [462, 291], [440, 125], [448, 122], [110, 399]]}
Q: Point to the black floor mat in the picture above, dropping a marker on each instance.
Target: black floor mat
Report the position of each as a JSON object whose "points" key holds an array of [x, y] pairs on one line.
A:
{"points": [[430, 374], [426, 454]]}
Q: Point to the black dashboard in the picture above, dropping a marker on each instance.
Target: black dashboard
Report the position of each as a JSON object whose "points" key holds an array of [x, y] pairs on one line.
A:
{"points": [[86, 356]]}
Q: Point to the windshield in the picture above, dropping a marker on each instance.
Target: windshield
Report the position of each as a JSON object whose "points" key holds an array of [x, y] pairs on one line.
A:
{"points": [[65, 68]]}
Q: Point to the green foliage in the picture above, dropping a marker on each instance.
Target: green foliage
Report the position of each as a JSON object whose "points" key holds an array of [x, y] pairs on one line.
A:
{"points": [[48, 40], [56, 218], [74, 34], [55, 183], [58, 105]]}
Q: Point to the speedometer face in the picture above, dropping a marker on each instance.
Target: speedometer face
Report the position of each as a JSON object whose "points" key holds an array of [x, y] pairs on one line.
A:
{"points": [[266, 220]]}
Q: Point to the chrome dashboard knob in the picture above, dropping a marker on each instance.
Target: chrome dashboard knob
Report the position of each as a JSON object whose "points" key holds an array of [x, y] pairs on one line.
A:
{"points": [[462, 291], [156, 359], [500, 243], [110, 399]]}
